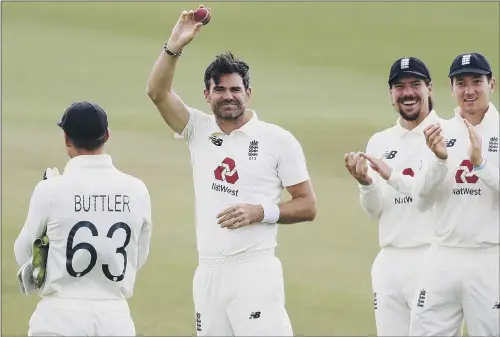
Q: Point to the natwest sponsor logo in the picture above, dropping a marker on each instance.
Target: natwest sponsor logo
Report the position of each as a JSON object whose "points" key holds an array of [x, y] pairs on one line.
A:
{"points": [[467, 191], [226, 172], [464, 175], [224, 189]]}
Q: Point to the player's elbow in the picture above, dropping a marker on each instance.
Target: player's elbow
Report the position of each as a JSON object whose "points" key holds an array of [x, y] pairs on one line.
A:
{"points": [[153, 93], [423, 204], [310, 210], [19, 252], [373, 213]]}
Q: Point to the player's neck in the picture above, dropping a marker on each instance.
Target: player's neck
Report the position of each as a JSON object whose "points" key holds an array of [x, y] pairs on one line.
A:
{"points": [[229, 125], [82, 152], [475, 117]]}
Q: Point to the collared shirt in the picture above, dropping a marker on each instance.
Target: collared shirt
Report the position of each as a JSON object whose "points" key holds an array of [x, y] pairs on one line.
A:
{"points": [[401, 224], [251, 165], [98, 220], [465, 199]]}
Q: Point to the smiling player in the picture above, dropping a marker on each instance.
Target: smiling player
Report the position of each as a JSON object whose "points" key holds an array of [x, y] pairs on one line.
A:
{"points": [[394, 156], [460, 277], [241, 165]]}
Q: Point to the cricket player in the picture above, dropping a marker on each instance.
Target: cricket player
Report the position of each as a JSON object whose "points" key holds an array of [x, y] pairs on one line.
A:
{"points": [[98, 222], [241, 164], [460, 277], [385, 185]]}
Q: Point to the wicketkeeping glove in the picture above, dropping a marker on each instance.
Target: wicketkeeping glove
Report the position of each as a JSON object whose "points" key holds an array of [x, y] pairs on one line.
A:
{"points": [[31, 275]]}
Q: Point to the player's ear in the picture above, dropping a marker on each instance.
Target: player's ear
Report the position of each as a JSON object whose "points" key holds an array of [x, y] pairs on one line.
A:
{"points": [[205, 93], [249, 92], [390, 94], [67, 141], [106, 135], [492, 84]]}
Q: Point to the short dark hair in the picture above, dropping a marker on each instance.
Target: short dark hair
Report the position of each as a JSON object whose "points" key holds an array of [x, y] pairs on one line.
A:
{"points": [[88, 144], [227, 64]]}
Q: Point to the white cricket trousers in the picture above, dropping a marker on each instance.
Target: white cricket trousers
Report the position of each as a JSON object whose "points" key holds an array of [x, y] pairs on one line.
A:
{"points": [[241, 295], [457, 284], [394, 278], [77, 317]]}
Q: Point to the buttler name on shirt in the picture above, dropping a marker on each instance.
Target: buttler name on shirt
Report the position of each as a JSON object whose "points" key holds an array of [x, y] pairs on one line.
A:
{"points": [[102, 203]]}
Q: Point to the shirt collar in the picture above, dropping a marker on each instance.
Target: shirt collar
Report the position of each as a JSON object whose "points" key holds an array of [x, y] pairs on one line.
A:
{"points": [[89, 162], [490, 117], [431, 118], [248, 128]]}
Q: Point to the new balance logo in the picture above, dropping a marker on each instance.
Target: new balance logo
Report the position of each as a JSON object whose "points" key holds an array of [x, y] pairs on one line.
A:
{"points": [[253, 150], [496, 305], [389, 154], [405, 63], [254, 315], [450, 142], [466, 59], [493, 145], [421, 298]]}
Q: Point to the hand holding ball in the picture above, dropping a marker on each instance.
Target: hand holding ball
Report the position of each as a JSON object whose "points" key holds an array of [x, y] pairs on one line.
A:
{"points": [[202, 15]]}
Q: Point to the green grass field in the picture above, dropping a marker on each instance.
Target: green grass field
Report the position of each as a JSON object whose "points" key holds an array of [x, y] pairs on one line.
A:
{"points": [[324, 78]]}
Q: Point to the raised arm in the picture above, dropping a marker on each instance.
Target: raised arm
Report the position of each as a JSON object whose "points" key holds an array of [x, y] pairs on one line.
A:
{"points": [[159, 86]]}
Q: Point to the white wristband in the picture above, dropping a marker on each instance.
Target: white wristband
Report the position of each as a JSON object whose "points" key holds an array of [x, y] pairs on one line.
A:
{"points": [[271, 213]]}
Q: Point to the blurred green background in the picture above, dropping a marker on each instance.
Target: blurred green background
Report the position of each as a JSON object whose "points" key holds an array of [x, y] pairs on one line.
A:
{"points": [[318, 69]]}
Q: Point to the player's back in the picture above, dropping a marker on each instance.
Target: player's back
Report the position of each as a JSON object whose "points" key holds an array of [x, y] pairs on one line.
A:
{"points": [[96, 217]]}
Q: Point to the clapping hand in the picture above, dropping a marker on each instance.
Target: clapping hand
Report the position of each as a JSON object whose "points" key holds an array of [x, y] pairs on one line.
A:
{"points": [[475, 154], [355, 164]]}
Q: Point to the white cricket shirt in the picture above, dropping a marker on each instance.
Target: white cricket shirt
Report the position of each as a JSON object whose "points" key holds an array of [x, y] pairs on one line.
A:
{"points": [[466, 200], [98, 220], [401, 224], [251, 165]]}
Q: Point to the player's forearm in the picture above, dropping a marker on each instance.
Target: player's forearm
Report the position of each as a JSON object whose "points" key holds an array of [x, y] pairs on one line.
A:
{"points": [[371, 199], [429, 182], [22, 248], [143, 249], [401, 183], [299, 209], [489, 175], [160, 80]]}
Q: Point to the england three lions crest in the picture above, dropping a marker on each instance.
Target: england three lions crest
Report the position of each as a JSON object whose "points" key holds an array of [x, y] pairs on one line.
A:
{"points": [[253, 150], [493, 145]]}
